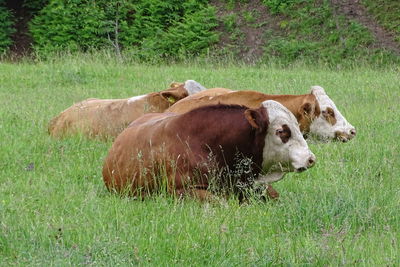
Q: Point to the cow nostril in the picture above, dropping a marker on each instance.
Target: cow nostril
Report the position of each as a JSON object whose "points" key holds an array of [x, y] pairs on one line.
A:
{"points": [[353, 132], [311, 162], [301, 169]]}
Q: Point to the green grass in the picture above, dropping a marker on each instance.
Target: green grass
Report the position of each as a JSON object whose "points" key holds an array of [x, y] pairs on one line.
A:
{"points": [[344, 211]]}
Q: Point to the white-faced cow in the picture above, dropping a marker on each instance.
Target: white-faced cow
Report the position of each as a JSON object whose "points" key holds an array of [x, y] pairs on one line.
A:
{"points": [[189, 150], [330, 124], [315, 112], [106, 118]]}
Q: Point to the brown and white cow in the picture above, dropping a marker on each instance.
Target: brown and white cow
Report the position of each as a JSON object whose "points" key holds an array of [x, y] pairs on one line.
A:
{"points": [[315, 112], [330, 124], [106, 118], [189, 149], [304, 107]]}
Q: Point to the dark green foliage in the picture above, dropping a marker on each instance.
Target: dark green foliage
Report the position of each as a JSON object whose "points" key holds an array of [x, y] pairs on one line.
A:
{"points": [[69, 24], [6, 27], [34, 6], [310, 30], [279, 6], [170, 28], [192, 36], [153, 28]]}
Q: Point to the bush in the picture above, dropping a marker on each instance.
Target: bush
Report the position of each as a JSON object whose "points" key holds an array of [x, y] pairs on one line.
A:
{"points": [[168, 28], [190, 37], [6, 27], [34, 6], [68, 25]]}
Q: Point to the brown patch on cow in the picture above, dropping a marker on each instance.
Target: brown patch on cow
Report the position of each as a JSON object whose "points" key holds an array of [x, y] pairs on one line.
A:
{"points": [[307, 112], [284, 133], [329, 115]]}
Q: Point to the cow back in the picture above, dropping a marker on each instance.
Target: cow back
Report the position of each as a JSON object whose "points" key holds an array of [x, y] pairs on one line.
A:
{"points": [[253, 99]]}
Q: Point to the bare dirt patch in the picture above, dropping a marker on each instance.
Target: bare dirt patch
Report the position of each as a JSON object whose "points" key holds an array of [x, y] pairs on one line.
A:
{"points": [[353, 9], [249, 45]]}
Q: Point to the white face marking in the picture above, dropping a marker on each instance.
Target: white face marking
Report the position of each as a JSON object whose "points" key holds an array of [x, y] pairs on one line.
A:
{"points": [[321, 127], [193, 87], [135, 98], [280, 156]]}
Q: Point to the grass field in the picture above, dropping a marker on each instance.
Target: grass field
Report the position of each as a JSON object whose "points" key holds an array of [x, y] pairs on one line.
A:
{"points": [[55, 210]]}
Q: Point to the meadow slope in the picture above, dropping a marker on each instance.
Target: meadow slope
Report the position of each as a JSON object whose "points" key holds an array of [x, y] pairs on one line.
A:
{"points": [[55, 210]]}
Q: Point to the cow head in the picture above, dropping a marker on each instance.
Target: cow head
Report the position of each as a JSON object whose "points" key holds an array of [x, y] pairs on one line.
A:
{"points": [[330, 124], [178, 91], [285, 147]]}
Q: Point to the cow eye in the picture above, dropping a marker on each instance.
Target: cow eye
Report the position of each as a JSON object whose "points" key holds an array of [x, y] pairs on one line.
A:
{"points": [[329, 115], [284, 133], [329, 111]]}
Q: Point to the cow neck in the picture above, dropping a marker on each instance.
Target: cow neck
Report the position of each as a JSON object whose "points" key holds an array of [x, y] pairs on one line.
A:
{"points": [[148, 103]]}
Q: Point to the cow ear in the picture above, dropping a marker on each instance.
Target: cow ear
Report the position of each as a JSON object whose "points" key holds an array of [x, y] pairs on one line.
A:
{"points": [[171, 97], [175, 84], [306, 109], [253, 117]]}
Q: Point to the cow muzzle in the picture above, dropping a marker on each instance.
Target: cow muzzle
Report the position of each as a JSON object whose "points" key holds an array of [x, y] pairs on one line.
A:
{"points": [[345, 137], [309, 163]]}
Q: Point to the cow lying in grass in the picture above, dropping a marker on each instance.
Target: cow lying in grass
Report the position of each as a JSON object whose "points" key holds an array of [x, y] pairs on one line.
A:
{"points": [[219, 144], [315, 112], [106, 118]]}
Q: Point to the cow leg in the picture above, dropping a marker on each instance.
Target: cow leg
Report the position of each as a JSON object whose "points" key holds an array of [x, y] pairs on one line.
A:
{"points": [[265, 192], [272, 193], [264, 181], [200, 194]]}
